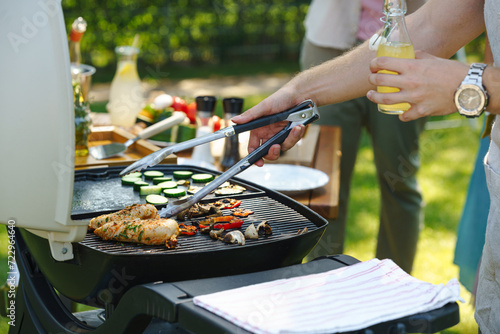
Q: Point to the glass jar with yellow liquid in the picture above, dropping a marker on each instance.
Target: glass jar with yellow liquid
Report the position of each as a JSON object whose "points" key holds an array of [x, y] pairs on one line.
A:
{"points": [[126, 95], [395, 42]]}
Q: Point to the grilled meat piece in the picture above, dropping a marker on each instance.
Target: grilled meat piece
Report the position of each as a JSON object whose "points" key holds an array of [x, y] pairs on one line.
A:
{"points": [[133, 212], [148, 232]]}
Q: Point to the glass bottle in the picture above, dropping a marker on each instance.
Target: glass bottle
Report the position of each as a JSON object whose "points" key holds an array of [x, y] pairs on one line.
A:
{"points": [[82, 121], [232, 107], [205, 107], [126, 96], [78, 28], [395, 42]]}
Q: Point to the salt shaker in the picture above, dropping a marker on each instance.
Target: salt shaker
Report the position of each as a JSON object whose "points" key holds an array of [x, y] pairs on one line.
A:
{"points": [[205, 106]]}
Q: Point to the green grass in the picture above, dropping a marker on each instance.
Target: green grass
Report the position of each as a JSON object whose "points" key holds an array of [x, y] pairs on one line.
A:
{"points": [[447, 161]]}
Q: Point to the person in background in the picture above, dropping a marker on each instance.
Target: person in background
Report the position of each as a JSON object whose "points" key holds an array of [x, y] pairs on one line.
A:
{"points": [[433, 85], [332, 28]]}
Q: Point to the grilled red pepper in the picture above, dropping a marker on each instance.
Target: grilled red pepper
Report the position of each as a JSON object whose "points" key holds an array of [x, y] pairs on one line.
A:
{"points": [[227, 203], [242, 212], [187, 229], [225, 222]]}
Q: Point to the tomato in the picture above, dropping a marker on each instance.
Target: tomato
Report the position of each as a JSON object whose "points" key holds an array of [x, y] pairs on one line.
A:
{"points": [[217, 122], [179, 104], [191, 112]]}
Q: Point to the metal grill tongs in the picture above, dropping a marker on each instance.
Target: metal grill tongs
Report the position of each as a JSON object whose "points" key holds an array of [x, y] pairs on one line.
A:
{"points": [[304, 113]]}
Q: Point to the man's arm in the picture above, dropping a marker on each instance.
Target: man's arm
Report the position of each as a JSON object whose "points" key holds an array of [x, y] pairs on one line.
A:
{"points": [[440, 27]]}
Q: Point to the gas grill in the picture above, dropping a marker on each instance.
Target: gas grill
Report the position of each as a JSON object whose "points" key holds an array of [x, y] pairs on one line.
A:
{"points": [[99, 191], [135, 288]]}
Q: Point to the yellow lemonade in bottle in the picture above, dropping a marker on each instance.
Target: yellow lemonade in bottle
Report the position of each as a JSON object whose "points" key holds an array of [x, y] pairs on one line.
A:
{"points": [[395, 50]]}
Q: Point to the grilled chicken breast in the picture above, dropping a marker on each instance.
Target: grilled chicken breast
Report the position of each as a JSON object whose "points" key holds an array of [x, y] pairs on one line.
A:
{"points": [[133, 212], [148, 232]]}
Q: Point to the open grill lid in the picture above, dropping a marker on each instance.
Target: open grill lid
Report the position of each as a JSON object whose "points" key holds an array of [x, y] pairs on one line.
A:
{"points": [[102, 271], [37, 126]]}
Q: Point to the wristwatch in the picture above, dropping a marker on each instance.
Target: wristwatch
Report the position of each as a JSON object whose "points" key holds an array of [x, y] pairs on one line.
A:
{"points": [[471, 97]]}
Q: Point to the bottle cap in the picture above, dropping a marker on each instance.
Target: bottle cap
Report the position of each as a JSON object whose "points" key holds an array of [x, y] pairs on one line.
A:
{"points": [[206, 103], [78, 28], [232, 105]]}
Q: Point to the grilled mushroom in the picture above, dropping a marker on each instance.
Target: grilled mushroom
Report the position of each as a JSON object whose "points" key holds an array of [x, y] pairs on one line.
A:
{"points": [[216, 234], [264, 228], [234, 237]]}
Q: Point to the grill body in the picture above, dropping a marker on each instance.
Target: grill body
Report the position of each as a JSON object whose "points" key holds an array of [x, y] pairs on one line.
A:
{"points": [[102, 271]]}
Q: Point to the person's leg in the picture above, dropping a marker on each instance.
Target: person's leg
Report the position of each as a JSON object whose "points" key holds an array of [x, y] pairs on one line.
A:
{"points": [[396, 154], [347, 115]]}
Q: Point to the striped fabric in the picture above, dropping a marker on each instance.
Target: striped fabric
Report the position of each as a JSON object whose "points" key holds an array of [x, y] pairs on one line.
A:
{"points": [[346, 299]]}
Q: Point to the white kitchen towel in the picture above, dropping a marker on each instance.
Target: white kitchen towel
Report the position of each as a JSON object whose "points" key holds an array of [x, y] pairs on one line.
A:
{"points": [[345, 299]]}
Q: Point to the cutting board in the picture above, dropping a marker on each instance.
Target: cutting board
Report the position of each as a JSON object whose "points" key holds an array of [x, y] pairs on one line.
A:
{"points": [[103, 135]]}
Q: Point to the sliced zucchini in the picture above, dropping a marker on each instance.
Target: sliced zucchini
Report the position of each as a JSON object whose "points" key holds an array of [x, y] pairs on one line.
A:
{"points": [[139, 184], [228, 191], [148, 190], [130, 180], [167, 185], [151, 174], [138, 174], [156, 199], [157, 180], [174, 192], [182, 174], [202, 178]]}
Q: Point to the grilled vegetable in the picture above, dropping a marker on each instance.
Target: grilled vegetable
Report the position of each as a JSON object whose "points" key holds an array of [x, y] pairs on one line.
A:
{"points": [[156, 199], [167, 185], [148, 232], [149, 190], [174, 192], [227, 203], [234, 237], [225, 222], [187, 229], [139, 184], [264, 228], [182, 174], [251, 232], [199, 210], [151, 174], [200, 178], [231, 190], [242, 212], [158, 180], [136, 211], [216, 234], [130, 180]]}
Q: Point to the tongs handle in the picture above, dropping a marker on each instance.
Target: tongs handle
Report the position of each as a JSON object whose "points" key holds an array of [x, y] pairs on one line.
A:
{"points": [[267, 120]]}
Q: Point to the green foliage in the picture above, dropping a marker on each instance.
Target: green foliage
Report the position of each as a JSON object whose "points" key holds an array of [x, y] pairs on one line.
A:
{"points": [[190, 31]]}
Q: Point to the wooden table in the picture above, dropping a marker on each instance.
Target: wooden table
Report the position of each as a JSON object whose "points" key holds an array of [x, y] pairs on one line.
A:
{"points": [[325, 200]]}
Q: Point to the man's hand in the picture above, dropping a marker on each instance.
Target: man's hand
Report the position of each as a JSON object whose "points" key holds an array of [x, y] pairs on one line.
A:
{"points": [[281, 100], [428, 83]]}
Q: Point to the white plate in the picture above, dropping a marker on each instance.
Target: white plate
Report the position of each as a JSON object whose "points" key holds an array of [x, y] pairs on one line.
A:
{"points": [[289, 179]]}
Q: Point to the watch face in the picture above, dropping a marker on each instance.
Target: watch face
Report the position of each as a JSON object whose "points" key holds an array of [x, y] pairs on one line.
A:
{"points": [[469, 99]]}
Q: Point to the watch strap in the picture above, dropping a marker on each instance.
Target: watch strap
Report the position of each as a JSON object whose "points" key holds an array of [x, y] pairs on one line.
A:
{"points": [[475, 75]]}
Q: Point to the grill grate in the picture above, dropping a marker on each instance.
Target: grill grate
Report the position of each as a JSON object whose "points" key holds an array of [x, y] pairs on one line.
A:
{"points": [[284, 220]]}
